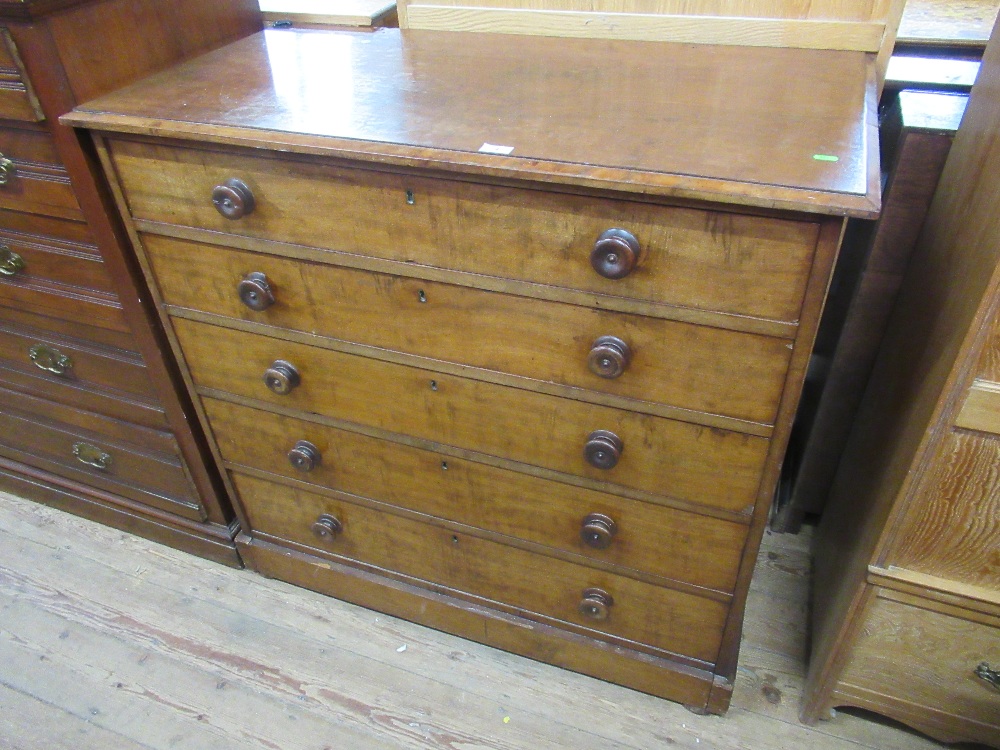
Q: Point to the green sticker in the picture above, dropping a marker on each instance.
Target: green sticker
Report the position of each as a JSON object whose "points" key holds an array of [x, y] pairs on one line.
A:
{"points": [[825, 157]]}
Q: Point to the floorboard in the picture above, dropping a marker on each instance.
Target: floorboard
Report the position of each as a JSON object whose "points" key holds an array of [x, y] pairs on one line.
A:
{"points": [[110, 641]]}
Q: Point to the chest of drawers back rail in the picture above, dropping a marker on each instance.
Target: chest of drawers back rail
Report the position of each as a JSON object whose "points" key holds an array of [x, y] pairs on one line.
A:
{"points": [[539, 399]]}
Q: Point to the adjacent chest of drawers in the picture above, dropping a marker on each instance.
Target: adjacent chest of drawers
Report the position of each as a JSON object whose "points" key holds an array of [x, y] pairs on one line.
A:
{"points": [[93, 418], [907, 600], [537, 400]]}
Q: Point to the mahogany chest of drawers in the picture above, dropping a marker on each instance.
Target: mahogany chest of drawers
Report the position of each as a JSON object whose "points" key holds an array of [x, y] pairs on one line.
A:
{"points": [[478, 353], [94, 418]]}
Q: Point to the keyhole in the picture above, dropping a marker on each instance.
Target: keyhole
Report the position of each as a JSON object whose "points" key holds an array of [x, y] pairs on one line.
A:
{"points": [[421, 296], [434, 385], [444, 466], [409, 198]]}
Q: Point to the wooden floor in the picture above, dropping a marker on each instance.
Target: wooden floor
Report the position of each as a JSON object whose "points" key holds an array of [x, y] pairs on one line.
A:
{"points": [[111, 642]]}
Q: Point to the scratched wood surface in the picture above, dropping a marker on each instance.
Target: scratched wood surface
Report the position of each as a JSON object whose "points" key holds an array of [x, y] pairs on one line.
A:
{"points": [[108, 640]]}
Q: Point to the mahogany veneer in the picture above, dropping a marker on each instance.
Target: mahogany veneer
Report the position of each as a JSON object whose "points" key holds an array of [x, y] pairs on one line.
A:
{"points": [[94, 417]]}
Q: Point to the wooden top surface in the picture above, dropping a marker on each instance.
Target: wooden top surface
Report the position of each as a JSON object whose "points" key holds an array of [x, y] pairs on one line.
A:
{"points": [[947, 22], [333, 12], [733, 124]]}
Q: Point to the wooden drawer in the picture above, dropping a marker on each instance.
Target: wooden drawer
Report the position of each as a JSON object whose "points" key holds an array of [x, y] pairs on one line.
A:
{"points": [[51, 267], [471, 567], [648, 538], [115, 456], [952, 530], [705, 369], [67, 327], [36, 182], [65, 360], [17, 99], [34, 258], [661, 456], [926, 660], [746, 265]]}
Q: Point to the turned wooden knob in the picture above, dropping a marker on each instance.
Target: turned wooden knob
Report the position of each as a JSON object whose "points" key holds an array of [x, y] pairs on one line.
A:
{"points": [[233, 199], [598, 530], [327, 527], [603, 449], [255, 292], [304, 456], [282, 377], [609, 357], [615, 253], [596, 604]]}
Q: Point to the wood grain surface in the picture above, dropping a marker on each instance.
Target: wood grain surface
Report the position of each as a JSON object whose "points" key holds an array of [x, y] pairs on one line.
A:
{"points": [[709, 260], [665, 457], [649, 538], [679, 364], [457, 94], [472, 567]]}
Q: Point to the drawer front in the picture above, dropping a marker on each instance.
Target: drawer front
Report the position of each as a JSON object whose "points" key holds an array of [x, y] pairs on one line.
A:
{"points": [[952, 527], [17, 99], [709, 260], [67, 327], [33, 259], [51, 267], [694, 367], [661, 456], [64, 360], [35, 180], [641, 536], [94, 450], [927, 659], [642, 613]]}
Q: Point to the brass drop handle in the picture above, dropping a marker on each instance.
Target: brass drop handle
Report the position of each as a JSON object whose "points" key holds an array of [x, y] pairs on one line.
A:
{"points": [[233, 199], [596, 604], [91, 455], [255, 291], [598, 530], [304, 456], [609, 357], [282, 377], [10, 262], [327, 527], [615, 253], [51, 360], [7, 169], [603, 449], [988, 675]]}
